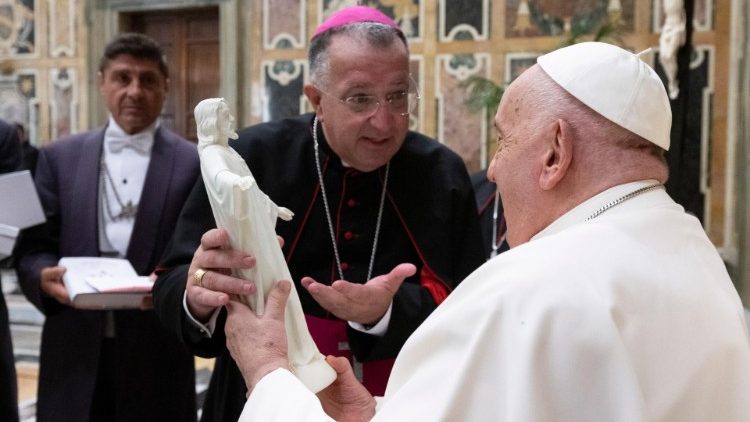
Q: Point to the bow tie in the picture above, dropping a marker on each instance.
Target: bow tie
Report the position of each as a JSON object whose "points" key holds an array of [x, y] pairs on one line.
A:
{"points": [[140, 143]]}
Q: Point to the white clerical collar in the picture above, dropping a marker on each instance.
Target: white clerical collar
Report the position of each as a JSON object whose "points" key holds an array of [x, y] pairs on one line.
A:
{"points": [[585, 209]]}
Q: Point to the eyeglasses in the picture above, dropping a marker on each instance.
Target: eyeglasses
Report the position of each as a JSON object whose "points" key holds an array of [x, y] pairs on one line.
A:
{"points": [[399, 102]]}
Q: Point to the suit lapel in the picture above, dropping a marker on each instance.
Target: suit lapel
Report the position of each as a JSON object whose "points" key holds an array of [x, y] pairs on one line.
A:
{"points": [[86, 191], [151, 205]]}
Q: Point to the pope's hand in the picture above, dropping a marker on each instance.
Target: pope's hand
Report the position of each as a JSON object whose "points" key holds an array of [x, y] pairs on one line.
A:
{"points": [[346, 400], [258, 343], [362, 303], [51, 284], [215, 259]]}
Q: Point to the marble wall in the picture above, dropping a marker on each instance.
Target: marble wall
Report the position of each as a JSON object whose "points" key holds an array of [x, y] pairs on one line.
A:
{"points": [[452, 41], [42, 66], [48, 77]]}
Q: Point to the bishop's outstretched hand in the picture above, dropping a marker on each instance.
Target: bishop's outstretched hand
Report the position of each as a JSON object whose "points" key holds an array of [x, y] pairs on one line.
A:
{"points": [[362, 303]]}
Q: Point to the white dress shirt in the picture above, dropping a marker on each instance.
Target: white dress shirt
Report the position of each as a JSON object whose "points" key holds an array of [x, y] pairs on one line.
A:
{"points": [[126, 158]]}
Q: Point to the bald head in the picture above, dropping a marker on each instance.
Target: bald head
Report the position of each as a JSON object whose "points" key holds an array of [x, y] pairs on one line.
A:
{"points": [[554, 152]]}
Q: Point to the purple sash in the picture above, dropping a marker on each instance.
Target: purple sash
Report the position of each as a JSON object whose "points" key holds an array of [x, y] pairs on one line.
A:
{"points": [[330, 337]]}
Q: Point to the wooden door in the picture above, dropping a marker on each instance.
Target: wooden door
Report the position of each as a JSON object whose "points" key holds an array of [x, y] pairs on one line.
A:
{"points": [[190, 39]]}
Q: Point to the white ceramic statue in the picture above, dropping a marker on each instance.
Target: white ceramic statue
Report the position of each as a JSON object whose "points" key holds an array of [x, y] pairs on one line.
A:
{"points": [[671, 39], [249, 216]]}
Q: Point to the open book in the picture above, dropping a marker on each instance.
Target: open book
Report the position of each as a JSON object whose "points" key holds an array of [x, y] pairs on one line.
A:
{"points": [[104, 283]]}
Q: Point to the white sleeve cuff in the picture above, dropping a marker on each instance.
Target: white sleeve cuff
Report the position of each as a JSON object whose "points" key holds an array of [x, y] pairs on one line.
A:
{"points": [[280, 396], [208, 328], [378, 329]]}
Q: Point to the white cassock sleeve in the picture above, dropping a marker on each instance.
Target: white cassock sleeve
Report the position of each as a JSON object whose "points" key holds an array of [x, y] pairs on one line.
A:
{"points": [[280, 396]]}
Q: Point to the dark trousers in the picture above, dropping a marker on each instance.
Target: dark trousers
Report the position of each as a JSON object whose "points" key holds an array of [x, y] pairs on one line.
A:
{"points": [[8, 386], [103, 406]]}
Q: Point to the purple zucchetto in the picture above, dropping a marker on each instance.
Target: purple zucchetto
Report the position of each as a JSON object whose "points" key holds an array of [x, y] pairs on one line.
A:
{"points": [[355, 14]]}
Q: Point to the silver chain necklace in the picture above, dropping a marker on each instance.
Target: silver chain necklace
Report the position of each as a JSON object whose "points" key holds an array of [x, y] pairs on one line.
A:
{"points": [[127, 211], [622, 199], [328, 210]]}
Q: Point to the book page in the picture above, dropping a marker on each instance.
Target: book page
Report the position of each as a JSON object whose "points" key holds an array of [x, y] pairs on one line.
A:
{"points": [[24, 209], [91, 274], [110, 283]]}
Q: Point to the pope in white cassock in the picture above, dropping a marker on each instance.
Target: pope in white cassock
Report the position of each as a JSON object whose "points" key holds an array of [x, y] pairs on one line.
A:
{"points": [[612, 304]]}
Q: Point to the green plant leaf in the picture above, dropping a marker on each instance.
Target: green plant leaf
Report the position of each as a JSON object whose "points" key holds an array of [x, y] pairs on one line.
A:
{"points": [[481, 94]]}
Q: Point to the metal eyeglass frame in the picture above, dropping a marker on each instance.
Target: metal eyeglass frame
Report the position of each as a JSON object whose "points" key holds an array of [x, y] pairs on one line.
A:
{"points": [[377, 101]]}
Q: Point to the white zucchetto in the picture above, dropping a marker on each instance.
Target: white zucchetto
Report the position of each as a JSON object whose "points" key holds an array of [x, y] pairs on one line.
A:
{"points": [[616, 84]]}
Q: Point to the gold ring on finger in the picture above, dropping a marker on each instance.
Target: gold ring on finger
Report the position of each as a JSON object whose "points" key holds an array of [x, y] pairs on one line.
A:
{"points": [[198, 277]]}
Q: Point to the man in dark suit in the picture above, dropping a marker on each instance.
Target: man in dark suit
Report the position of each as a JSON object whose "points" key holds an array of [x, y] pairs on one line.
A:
{"points": [[10, 160], [114, 191]]}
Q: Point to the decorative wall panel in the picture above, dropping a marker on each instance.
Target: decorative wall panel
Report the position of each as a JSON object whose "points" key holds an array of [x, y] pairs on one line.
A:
{"points": [[464, 20], [17, 27], [534, 18], [62, 24], [516, 63], [449, 40], [460, 129], [703, 11], [18, 102], [64, 102], [284, 24], [282, 88], [328, 7]]}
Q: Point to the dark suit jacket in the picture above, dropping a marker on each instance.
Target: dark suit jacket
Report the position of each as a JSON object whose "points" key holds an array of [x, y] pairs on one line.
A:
{"points": [[154, 372], [11, 157], [10, 160]]}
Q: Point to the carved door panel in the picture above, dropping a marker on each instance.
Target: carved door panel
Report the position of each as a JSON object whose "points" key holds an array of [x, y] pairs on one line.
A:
{"points": [[190, 39]]}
